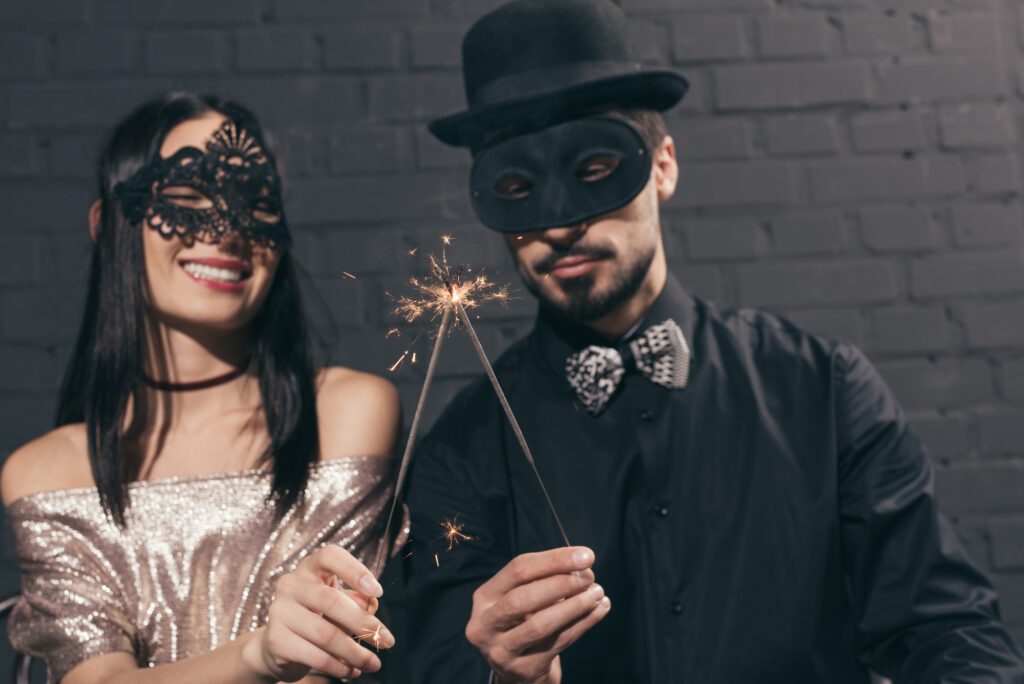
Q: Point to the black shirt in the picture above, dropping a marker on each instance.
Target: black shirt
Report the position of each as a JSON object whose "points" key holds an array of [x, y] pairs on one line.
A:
{"points": [[773, 521]]}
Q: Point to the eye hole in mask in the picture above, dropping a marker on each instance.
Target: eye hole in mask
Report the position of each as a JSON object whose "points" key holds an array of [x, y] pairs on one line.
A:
{"points": [[597, 168], [267, 210], [513, 187], [186, 197]]}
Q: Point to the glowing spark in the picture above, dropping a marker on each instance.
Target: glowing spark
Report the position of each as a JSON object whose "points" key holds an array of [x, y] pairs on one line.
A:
{"points": [[444, 287], [453, 533], [436, 562], [414, 357], [349, 275], [398, 363], [393, 331], [412, 252], [373, 636], [447, 239]]}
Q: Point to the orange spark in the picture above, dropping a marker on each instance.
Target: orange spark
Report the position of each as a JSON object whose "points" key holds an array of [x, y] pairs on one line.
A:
{"points": [[436, 562], [453, 533], [373, 636], [414, 357], [412, 252], [398, 363], [447, 239], [348, 274], [393, 331], [444, 287]]}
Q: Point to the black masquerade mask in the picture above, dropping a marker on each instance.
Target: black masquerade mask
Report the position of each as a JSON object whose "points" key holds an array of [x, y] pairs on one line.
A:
{"points": [[231, 187], [559, 176]]}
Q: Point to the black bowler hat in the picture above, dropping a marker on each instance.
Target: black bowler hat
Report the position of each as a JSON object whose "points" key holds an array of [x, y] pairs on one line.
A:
{"points": [[531, 63]]}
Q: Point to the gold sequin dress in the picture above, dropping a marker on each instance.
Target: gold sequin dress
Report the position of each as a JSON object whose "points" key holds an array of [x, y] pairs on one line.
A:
{"points": [[194, 568]]}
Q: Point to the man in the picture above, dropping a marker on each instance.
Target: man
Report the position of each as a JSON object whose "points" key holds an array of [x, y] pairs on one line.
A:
{"points": [[749, 502]]}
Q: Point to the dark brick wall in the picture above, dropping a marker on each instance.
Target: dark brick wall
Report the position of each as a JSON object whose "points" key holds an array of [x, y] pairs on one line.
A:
{"points": [[853, 164]]}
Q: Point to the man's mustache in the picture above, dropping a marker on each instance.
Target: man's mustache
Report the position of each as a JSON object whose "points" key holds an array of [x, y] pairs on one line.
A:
{"points": [[591, 251]]}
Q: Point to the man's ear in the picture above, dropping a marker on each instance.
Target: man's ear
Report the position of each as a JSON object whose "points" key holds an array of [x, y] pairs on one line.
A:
{"points": [[665, 169], [95, 211]]}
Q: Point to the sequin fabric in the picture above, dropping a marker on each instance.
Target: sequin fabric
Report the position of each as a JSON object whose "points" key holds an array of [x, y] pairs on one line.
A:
{"points": [[194, 568]]}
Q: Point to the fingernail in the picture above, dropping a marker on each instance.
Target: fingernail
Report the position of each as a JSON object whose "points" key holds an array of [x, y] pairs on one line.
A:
{"points": [[596, 592], [605, 604], [374, 664], [387, 637], [370, 586], [582, 558]]}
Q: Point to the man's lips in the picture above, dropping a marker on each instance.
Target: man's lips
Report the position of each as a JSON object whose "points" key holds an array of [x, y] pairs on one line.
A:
{"points": [[573, 266]]}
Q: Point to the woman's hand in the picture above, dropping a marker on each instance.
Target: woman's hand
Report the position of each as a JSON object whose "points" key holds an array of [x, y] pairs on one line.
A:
{"points": [[314, 624]]}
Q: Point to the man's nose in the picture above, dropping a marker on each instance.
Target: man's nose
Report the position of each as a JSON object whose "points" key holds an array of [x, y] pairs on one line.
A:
{"points": [[564, 235]]}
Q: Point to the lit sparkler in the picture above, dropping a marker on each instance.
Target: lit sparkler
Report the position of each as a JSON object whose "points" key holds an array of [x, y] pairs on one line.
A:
{"points": [[443, 294]]}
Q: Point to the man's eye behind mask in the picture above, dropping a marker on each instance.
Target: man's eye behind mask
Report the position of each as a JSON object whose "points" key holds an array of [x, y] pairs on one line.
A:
{"points": [[230, 188], [559, 176]]}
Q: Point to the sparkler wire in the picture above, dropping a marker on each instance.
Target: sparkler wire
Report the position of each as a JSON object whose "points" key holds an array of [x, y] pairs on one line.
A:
{"points": [[431, 367], [508, 412]]}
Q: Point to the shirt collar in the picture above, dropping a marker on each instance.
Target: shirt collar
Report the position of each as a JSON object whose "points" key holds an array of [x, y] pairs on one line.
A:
{"points": [[554, 339]]}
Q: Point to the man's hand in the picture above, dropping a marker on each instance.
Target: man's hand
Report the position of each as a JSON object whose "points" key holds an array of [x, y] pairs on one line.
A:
{"points": [[534, 608]]}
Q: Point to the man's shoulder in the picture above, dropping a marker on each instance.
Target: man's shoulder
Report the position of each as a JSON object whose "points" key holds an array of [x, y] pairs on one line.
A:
{"points": [[763, 335]]}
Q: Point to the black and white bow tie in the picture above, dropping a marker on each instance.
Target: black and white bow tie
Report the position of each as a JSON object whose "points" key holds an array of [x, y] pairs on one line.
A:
{"points": [[660, 353]]}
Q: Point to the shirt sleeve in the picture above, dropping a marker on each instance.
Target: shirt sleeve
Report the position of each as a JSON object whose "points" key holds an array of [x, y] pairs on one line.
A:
{"points": [[71, 608], [440, 582], [924, 612]]}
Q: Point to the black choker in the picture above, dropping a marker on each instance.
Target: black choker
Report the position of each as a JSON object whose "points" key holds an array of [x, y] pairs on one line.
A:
{"points": [[196, 384]]}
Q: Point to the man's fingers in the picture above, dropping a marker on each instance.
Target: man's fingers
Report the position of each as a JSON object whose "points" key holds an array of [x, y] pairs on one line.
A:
{"points": [[570, 634], [549, 622], [528, 567], [513, 607]]}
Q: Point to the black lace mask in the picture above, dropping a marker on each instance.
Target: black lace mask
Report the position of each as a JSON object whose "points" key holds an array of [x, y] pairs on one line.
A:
{"points": [[232, 187]]}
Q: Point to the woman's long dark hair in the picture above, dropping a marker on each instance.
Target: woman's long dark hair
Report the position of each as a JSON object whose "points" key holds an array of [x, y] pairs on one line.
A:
{"points": [[107, 360]]}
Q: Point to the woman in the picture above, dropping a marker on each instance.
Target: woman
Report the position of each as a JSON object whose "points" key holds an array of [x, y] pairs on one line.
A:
{"points": [[186, 520]]}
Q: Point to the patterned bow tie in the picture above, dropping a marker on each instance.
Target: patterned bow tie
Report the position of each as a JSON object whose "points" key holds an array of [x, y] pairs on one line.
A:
{"points": [[660, 353]]}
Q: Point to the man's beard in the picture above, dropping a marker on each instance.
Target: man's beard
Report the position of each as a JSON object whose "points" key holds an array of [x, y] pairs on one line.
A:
{"points": [[581, 304]]}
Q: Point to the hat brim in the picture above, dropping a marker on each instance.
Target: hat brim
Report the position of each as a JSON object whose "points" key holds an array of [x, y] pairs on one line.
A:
{"points": [[657, 90]]}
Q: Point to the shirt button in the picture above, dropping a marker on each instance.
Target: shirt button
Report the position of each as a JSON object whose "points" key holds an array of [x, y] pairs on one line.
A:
{"points": [[675, 608], [659, 510], [647, 415]]}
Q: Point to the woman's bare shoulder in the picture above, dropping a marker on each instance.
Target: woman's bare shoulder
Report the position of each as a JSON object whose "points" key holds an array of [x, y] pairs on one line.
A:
{"points": [[358, 413], [57, 460]]}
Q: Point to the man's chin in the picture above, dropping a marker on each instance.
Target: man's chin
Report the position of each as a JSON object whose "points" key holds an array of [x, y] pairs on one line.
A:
{"points": [[579, 305]]}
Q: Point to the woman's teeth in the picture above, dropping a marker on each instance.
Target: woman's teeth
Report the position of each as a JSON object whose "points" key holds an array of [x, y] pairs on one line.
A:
{"points": [[205, 272]]}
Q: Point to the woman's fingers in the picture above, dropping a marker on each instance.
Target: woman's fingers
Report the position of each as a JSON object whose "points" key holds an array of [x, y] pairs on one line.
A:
{"points": [[334, 560], [339, 641], [342, 608], [300, 650]]}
